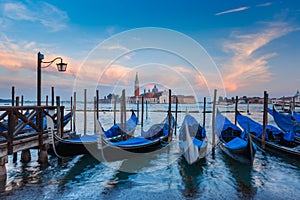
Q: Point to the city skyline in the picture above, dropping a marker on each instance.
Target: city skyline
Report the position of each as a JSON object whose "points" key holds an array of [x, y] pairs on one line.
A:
{"points": [[251, 46]]}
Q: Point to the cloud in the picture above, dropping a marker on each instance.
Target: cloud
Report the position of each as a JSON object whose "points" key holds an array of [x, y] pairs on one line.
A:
{"points": [[43, 13], [265, 4], [233, 10], [244, 68], [116, 47]]}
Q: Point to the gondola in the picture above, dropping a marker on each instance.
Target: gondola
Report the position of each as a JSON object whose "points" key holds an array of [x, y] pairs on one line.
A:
{"points": [[287, 122], [276, 140], [86, 144], [193, 140], [149, 141], [233, 141]]}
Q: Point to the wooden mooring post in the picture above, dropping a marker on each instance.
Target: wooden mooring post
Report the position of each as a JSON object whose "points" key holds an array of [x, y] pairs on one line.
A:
{"points": [[265, 118], [138, 110], [236, 109], [176, 114], [74, 113], [204, 111], [3, 175], [169, 117], [84, 113], [142, 116], [213, 124]]}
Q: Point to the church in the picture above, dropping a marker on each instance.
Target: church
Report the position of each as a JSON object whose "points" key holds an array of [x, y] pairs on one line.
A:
{"points": [[155, 96]]}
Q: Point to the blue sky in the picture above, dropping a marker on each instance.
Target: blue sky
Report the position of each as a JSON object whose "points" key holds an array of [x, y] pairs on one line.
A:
{"points": [[253, 46]]}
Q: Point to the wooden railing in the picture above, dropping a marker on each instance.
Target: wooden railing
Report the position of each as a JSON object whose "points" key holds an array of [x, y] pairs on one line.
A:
{"points": [[20, 122]]}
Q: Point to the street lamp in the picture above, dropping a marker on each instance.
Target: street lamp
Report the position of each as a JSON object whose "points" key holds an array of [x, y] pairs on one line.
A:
{"points": [[61, 67]]}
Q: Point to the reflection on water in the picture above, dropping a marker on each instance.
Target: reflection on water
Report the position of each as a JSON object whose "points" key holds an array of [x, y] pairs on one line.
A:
{"points": [[191, 175], [241, 177]]}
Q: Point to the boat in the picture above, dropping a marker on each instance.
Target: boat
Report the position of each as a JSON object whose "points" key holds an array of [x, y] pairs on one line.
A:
{"points": [[276, 140], [287, 122], [193, 140], [233, 141], [154, 139], [86, 144]]}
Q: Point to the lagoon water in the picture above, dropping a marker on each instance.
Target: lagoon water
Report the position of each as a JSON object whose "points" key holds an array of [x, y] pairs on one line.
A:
{"points": [[161, 175]]}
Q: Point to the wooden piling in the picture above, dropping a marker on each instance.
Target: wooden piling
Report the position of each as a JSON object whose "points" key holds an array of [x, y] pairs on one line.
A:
{"points": [[213, 123], [13, 96], [15, 155], [176, 114], [22, 103], [121, 110], [283, 103], [248, 107], [138, 109], [97, 103], [265, 118], [236, 109], [84, 113], [293, 107], [58, 119], [124, 109], [25, 156], [74, 113], [71, 117], [169, 117], [146, 110], [142, 117], [95, 113], [115, 107], [3, 173], [52, 96], [204, 111], [22, 100]]}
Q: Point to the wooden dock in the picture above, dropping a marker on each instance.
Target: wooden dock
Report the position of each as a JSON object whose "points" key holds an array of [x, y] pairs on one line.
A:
{"points": [[23, 128]]}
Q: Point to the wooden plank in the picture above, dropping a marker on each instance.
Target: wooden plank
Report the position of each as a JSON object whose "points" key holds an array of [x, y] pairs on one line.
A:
{"points": [[23, 144]]}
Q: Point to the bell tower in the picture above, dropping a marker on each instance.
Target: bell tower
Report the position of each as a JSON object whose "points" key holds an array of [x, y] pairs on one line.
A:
{"points": [[136, 86]]}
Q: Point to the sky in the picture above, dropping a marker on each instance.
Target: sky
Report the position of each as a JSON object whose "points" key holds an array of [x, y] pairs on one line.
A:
{"points": [[193, 47]]}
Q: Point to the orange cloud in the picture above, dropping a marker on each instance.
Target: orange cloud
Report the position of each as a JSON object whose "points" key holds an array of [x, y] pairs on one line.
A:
{"points": [[244, 68]]}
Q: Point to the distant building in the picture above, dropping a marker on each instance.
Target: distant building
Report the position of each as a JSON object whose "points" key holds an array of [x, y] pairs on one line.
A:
{"points": [[136, 86], [155, 96], [184, 99]]}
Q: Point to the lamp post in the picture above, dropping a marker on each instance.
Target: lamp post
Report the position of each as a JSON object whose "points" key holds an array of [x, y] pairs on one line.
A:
{"points": [[61, 67]]}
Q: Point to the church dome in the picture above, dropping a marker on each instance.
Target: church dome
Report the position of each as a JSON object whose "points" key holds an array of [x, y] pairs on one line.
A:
{"points": [[154, 90]]}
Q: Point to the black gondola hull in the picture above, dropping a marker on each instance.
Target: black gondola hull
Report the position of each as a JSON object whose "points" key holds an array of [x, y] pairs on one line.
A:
{"points": [[277, 149], [243, 155]]}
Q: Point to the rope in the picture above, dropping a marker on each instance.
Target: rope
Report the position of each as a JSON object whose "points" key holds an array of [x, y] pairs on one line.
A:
{"points": [[51, 138]]}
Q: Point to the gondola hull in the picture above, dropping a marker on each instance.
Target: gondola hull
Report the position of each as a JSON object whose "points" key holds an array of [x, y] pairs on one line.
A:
{"points": [[278, 149], [243, 155], [67, 147], [233, 142], [193, 140], [274, 138], [202, 151]]}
